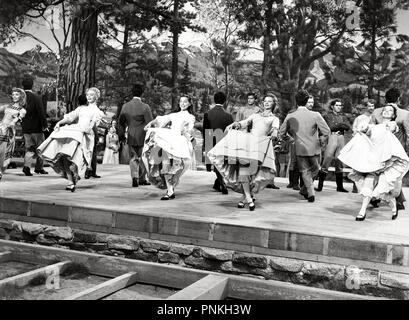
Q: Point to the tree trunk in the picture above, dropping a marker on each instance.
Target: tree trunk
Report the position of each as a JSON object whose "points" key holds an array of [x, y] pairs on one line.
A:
{"points": [[82, 56], [175, 53], [372, 62], [266, 65], [124, 57], [226, 79]]}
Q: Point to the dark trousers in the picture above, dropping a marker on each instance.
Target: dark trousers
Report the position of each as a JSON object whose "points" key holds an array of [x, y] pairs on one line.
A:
{"points": [[219, 178], [32, 141], [92, 170]]}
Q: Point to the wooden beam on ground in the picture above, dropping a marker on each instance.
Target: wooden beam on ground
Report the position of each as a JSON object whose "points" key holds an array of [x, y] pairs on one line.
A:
{"points": [[176, 277], [163, 275], [211, 287], [253, 289], [5, 256], [106, 288], [24, 279]]}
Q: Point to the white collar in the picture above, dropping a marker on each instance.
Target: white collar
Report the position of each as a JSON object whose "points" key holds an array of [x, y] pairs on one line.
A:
{"points": [[139, 98]]}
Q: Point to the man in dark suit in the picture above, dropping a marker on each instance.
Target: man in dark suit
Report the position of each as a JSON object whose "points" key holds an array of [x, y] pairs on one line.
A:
{"points": [[135, 115], [214, 123], [303, 126], [392, 96], [33, 126]]}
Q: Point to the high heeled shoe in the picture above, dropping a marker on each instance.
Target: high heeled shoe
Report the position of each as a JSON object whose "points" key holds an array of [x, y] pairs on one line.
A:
{"points": [[395, 216], [70, 187], [168, 197], [252, 206], [360, 218], [241, 205]]}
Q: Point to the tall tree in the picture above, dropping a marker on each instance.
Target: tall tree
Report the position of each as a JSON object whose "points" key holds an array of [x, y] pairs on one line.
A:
{"points": [[378, 27], [186, 81], [296, 33], [222, 30]]}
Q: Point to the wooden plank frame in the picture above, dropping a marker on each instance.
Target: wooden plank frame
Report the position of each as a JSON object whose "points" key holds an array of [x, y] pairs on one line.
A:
{"points": [[24, 279], [211, 287], [175, 277], [106, 288], [6, 256]]}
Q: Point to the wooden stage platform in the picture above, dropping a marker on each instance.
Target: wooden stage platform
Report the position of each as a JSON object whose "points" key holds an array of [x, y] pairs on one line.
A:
{"points": [[283, 224]]}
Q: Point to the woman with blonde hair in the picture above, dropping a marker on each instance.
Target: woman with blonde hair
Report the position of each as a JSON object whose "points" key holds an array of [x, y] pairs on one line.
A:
{"points": [[69, 148], [13, 113], [246, 159]]}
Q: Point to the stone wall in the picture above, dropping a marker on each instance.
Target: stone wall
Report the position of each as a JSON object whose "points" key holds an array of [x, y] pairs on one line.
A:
{"points": [[328, 276]]}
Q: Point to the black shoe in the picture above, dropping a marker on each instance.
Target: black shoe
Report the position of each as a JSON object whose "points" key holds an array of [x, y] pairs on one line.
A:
{"points": [[241, 205], [339, 179], [252, 206], [311, 199], [27, 172], [216, 185], [71, 188], [168, 197], [375, 203], [321, 179], [296, 188], [272, 186], [304, 194], [87, 175], [135, 183], [144, 183], [395, 216], [400, 206], [95, 176], [360, 218], [224, 190], [42, 171]]}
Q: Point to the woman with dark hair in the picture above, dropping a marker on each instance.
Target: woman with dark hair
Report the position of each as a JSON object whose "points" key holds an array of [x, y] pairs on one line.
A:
{"points": [[169, 152], [69, 148], [13, 113], [378, 160], [246, 159]]}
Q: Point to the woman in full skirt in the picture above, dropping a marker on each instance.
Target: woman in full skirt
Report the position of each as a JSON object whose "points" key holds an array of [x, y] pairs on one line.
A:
{"points": [[246, 159], [168, 151], [69, 148], [378, 160], [13, 113]]}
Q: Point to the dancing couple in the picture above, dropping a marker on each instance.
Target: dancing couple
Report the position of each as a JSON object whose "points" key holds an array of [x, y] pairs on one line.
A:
{"points": [[245, 159], [378, 160]]}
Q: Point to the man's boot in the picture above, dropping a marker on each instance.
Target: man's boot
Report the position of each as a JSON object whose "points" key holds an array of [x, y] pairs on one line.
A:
{"points": [[339, 178], [321, 178], [296, 180], [291, 179]]}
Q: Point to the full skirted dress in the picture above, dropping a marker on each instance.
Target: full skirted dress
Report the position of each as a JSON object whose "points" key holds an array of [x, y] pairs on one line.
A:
{"points": [[169, 152], [247, 157], [111, 154], [12, 114], [375, 152], [70, 148]]}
